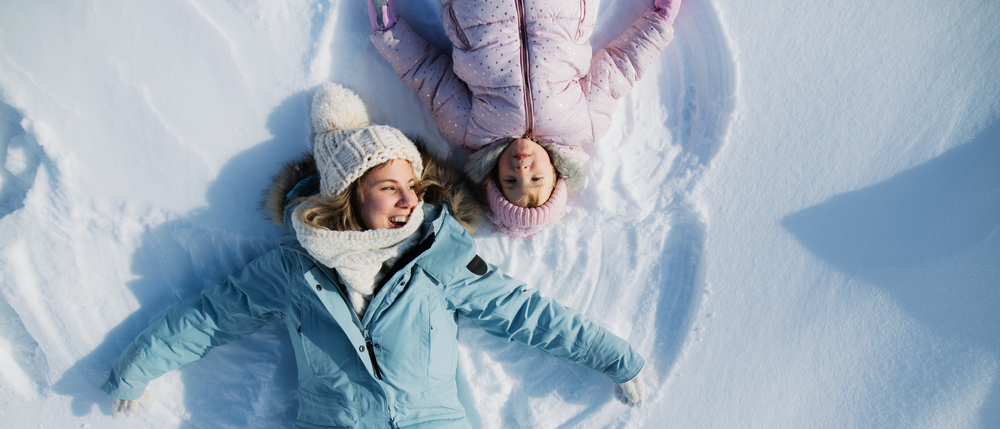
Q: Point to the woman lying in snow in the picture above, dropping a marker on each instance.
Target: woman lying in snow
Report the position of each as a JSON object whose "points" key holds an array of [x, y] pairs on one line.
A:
{"points": [[523, 91], [374, 266]]}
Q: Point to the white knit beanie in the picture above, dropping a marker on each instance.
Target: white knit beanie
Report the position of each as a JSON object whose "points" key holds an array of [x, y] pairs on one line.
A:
{"points": [[347, 143]]}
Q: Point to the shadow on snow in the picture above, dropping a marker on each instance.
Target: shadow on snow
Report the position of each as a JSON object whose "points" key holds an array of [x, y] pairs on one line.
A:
{"points": [[914, 234], [251, 382]]}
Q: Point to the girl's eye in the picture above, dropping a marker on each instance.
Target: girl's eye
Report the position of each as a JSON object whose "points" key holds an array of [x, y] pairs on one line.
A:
{"points": [[510, 181], [536, 179]]}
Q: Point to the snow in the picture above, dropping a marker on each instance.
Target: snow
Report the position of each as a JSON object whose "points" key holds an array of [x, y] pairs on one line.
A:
{"points": [[795, 216]]}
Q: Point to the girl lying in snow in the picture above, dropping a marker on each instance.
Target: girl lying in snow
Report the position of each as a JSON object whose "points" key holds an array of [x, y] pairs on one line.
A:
{"points": [[373, 268], [523, 91]]}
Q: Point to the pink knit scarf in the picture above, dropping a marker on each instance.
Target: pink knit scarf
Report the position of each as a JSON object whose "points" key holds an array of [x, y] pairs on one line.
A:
{"points": [[519, 222]]}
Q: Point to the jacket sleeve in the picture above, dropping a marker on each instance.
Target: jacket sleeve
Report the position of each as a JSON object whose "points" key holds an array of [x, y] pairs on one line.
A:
{"points": [[617, 67], [428, 72], [506, 308], [220, 314]]}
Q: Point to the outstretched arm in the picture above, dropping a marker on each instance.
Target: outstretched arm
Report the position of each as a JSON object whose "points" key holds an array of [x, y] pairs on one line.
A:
{"points": [[220, 314], [615, 69], [506, 308], [428, 72]]}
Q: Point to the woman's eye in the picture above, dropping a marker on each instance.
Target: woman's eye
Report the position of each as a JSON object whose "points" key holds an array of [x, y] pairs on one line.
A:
{"points": [[510, 181]]}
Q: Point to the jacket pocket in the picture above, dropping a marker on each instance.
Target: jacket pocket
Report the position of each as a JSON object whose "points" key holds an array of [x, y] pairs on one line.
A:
{"points": [[436, 407], [443, 339], [325, 346], [317, 411]]}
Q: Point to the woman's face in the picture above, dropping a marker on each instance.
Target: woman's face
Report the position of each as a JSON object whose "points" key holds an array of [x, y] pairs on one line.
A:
{"points": [[525, 168], [389, 197]]}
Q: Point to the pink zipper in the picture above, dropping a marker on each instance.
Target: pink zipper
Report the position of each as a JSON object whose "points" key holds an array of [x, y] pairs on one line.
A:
{"points": [[529, 121]]}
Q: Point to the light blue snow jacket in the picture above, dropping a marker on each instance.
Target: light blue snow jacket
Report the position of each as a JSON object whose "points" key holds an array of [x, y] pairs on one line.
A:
{"points": [[396, 367]]}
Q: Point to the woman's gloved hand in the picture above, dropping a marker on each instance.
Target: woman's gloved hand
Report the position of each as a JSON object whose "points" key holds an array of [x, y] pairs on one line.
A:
{"points": [[667, 9], [382, 14], [631, 392], [128, 406]]}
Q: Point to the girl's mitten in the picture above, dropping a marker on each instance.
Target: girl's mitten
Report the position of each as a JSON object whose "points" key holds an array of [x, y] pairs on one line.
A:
{"points": [[382, 14], [667, 9]]}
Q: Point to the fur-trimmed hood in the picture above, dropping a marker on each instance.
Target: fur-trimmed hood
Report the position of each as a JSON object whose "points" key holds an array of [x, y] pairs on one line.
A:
{"points": [[568, 162], [459, 190]]}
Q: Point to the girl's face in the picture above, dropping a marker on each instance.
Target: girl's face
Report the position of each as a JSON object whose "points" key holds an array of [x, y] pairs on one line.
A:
{"points": [[388, 195], [525, 168]]}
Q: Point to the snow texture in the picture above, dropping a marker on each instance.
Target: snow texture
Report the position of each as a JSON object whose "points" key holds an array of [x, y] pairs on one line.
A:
{"points": [[795, 216]]}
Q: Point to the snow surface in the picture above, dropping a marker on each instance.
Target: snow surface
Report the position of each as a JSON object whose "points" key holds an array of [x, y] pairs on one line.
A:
{"points": [[795, 216]]}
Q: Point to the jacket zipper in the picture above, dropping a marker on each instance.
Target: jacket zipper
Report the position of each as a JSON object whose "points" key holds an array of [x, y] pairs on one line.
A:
{"points": [[523, 27], [357, 322], [364, 331]]}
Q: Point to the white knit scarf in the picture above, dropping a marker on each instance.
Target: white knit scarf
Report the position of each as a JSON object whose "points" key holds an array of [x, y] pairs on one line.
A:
{"points": [[359, 256]]}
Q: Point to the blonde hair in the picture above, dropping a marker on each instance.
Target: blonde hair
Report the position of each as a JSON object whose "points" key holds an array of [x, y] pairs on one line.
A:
{"points": [[530, 199], [339, 213], [343, 212]]}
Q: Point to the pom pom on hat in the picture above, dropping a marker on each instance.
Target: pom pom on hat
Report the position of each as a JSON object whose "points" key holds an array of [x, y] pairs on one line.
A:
{"points": [[347, 144], [336, 108], [519, 222]]}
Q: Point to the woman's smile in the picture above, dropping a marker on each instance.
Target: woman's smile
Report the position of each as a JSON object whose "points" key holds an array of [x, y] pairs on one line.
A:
{"points": [[389, 196]]}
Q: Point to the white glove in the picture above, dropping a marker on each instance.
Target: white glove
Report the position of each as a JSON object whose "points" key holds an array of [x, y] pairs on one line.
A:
{"points": [[128, 406], [631, 392]]}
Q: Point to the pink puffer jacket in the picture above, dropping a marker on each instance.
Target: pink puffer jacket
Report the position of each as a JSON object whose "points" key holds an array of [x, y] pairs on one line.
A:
{"points": [[523, 68]]}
